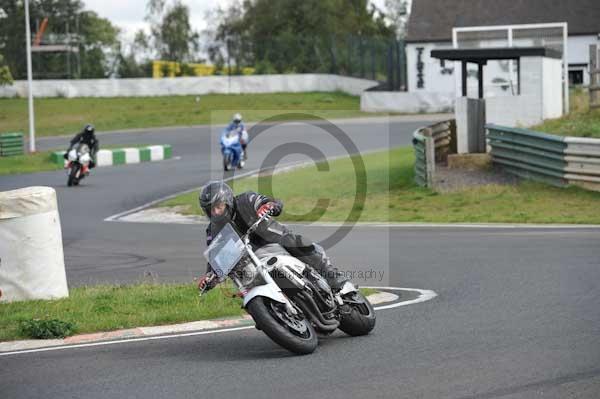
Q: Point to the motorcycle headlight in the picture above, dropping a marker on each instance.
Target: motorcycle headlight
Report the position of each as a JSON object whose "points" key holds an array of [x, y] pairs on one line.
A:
{"points": [[249, 275]]}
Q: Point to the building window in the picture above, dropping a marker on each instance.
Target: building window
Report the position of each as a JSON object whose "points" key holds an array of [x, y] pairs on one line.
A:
{"points": [[576, 77]]}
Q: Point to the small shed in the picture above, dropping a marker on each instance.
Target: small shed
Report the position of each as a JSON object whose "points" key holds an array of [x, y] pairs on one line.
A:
{"points": [[538, 95]]}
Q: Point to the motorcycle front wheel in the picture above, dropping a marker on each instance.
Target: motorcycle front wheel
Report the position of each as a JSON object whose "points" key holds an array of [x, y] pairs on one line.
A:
{"points": [[73, 175], [225, 164], [293, 332], [361, 318]]}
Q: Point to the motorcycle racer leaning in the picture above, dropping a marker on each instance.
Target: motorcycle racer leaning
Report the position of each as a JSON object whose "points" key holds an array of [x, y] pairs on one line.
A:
{"points": [[221, 206]]}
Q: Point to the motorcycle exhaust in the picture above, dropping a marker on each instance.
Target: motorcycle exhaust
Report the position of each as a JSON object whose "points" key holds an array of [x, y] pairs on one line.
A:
{"points": [[308, 306], [315, 320]]}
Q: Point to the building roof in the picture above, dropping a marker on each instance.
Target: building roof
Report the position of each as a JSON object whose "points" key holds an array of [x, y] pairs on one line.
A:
{"points": [[481, 55], [433, 20]]}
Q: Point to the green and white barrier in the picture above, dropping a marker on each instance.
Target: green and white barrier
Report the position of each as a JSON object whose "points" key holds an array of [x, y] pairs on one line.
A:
{"points": [[122, 156]]}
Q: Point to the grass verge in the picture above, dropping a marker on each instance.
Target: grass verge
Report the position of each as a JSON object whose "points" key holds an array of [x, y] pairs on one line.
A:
{"points": [[580, 122], [38, 162], [107, 308], [58, 116], [392, 196]]}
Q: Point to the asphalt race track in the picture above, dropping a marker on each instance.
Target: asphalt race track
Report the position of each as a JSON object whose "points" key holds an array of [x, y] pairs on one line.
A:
{"points": [[517, 313]]}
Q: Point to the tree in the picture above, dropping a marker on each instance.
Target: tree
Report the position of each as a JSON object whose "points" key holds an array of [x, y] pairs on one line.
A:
{"points": [[135, 62], [171, 31], [398, 11], [292, 36], [5, 76], [94, 37]]}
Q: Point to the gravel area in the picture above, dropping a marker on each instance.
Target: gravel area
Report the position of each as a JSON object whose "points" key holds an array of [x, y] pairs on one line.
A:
{"points": [[448, 180]]}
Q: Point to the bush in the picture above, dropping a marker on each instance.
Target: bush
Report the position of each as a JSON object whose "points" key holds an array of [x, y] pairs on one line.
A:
{"points": [[47, 329]]}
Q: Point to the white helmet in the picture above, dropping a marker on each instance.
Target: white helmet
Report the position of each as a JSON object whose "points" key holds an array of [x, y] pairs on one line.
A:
{"points": [[237, 118]]}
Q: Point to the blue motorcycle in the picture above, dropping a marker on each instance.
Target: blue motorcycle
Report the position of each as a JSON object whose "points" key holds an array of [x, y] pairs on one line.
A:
{"points": [[231, 148]]}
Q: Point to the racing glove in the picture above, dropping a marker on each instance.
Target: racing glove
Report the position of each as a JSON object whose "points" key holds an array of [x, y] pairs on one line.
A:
{"points": [[207, 282], [272, 208]]}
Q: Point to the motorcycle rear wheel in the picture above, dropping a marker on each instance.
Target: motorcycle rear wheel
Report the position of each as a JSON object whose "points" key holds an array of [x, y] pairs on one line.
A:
{"points": [[361, 319], [295, 334]]}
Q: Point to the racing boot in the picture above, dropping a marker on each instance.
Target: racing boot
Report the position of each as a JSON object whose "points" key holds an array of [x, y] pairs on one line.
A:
{"points": [[332, 275], [314, 255]]}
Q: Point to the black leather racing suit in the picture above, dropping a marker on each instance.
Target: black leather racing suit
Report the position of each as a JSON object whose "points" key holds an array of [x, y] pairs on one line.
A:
{"points": [[89, 139], [246, 206]]}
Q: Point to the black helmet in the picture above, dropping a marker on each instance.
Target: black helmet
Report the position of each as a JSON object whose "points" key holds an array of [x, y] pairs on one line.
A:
{"points": [[213, 193], [88, 129]]}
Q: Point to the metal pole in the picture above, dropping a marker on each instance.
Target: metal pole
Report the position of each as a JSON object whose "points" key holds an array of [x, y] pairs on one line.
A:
{"points": [[29, 80], [566, 67], [480, 80], [464, 78]]}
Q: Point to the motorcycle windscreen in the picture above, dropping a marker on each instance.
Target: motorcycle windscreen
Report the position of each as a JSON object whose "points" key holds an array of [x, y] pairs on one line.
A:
{"points": [[225, 251]]}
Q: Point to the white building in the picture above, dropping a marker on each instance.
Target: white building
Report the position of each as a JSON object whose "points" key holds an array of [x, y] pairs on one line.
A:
{"points": [[432, 21]]}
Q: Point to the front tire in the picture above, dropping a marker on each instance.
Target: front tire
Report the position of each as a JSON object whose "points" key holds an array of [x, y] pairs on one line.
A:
{"points": [[294, 334], [226, 164], [72, 180], [361, 319]]}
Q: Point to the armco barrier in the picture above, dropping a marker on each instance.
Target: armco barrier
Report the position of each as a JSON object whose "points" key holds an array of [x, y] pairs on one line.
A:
{"points": [[11, 144], [124, 155], [432, 144], [421, 144], [555, 160]]}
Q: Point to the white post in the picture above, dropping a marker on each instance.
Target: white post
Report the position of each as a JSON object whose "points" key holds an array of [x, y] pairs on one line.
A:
{"points": [[29, 80], [566, 67], [510, 62], [457, 78]]}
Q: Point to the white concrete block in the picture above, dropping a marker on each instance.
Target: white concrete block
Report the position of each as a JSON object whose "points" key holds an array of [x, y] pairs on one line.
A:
{"points": [[104, 158], [132, 155], [157, 152]]}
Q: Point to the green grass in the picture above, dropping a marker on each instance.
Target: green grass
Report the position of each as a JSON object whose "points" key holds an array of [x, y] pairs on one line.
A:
{"points": [[38, 162], [392, 196], [108, 308], [580, 122], [58, 116]]}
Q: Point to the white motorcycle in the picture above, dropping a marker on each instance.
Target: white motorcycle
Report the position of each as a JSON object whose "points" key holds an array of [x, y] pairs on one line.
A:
{"points": [[288, 300], [78, 161]]}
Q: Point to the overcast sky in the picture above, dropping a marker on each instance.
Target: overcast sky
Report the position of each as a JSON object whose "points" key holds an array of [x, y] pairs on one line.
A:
{"points": [[129, 14]]}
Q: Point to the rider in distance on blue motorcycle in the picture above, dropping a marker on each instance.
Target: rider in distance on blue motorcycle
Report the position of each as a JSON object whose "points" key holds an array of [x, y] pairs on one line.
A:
{"points": [[238, 125]]}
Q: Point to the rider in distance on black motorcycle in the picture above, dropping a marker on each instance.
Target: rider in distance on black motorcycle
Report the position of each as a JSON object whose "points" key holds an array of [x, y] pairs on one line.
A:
{"points": [[86, 136], [242, 211]]}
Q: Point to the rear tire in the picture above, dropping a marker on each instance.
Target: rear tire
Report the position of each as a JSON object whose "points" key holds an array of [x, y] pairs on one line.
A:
{"points": [[72, 180], [271, 323], [361, 319]]}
